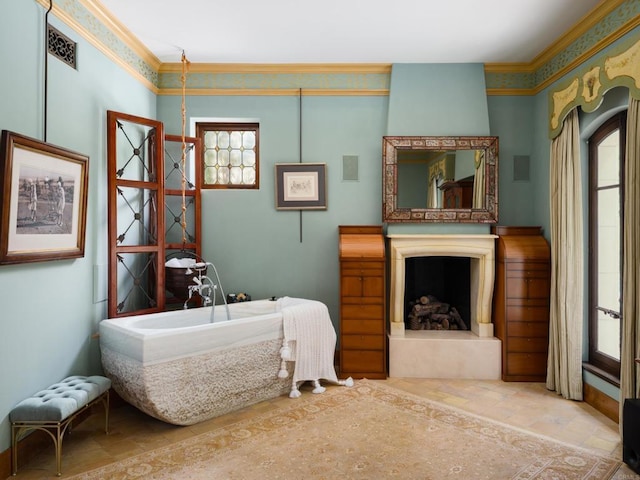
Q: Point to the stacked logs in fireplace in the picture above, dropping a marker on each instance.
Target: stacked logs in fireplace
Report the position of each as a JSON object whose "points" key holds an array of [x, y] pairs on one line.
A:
{"points": [[428, 313]]}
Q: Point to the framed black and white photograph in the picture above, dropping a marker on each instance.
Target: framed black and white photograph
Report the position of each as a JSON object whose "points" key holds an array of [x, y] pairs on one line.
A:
{"points": [[301, 186], [44, 200]]}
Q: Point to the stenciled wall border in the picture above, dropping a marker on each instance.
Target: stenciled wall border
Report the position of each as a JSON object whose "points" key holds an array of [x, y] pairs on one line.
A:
{"points": [[609, 22], [109, 36], [586, 88], [606, 24], [284, 79]]}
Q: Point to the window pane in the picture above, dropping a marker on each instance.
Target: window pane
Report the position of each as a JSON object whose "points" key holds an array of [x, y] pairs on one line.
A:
{"points": [[235, 177], [249, 140], [609, 335], [223, 139], [210, 140], [235, 158], [249, 158], [223, 158], [223, 176], [609, 160], [235, 139], [210, 158], [210, 175], [609, 249], [248, 176]]}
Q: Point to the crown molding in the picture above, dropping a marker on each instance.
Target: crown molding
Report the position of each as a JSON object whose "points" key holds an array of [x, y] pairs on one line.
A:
{"points": [[510, 92], [279, 68], [122, 32], [119, 44], [509, 68], [281, 92], [69, 20], [541, 61], [580, 28], [588, 54]]}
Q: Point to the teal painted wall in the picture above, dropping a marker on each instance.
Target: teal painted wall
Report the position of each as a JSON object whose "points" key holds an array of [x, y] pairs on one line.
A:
{"points": [[48, 310], [258, 249], [437, 99], [512, 121], [540, 154]]}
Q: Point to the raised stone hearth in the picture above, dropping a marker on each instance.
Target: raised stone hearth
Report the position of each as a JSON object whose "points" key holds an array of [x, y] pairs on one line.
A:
{"points": [[474, 354]]}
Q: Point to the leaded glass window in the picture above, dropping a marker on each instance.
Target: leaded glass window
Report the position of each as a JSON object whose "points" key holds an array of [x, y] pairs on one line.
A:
{"points": [[230, 155]]}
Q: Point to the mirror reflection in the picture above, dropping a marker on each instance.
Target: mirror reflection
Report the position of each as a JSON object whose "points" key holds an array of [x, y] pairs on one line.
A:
{"points": [[440, 179]]}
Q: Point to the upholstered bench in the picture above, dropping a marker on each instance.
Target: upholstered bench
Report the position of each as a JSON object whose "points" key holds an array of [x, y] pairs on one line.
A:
{"points": [[52, 410]]}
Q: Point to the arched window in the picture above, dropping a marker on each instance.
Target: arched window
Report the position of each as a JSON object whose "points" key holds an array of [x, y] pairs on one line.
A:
{"points": [[606, 200]]}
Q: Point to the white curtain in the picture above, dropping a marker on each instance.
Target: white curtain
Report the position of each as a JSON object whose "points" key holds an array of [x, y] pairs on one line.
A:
{"points": [[478, 180], [433, 193], [630, 348], [564, 367]]}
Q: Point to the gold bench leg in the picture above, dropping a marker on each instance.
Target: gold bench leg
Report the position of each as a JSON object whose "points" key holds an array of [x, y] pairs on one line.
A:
{"points": [[58, 442], [60, 429], [14, 450]]}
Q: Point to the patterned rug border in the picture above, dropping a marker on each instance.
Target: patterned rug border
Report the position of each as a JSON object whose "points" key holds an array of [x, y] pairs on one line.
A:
{"points": [[232, 435]]}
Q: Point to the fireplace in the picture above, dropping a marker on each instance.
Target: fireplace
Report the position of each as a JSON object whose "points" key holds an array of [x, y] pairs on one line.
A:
{"points": [[437, 293], [473, 353]]}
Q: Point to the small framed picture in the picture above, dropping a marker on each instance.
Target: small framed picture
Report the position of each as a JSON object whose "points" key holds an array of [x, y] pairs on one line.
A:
{"points": [[43, 208], [301, 186]]}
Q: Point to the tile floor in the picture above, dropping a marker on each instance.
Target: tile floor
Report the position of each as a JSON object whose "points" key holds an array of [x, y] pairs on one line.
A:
{"points": [[525, 405]]}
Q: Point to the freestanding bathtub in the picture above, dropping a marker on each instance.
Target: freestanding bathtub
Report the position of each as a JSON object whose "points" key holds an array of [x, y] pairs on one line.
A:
{"points": [[181, 368]]}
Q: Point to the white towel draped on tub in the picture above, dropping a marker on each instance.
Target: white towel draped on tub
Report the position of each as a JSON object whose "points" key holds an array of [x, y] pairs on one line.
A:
{"points": [[309, 341]]}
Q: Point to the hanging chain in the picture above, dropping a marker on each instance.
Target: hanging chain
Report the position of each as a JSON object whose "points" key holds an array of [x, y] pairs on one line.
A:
{"points": [[183, 79]]}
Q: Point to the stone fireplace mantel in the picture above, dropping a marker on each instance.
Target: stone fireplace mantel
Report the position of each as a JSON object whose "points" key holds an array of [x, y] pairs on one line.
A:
{"points": [[479, 248], [472, 354]]}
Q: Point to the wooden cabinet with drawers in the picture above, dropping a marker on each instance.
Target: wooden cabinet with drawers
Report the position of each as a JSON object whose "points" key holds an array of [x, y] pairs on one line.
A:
{"points": [[458, 194], [521, 302], [363, 340]]}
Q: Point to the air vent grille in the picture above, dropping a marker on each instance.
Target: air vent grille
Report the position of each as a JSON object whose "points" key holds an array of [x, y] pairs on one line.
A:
{"points": [[61, 46]]}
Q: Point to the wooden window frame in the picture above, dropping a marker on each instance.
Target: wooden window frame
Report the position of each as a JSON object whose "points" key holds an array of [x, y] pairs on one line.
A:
{"points": [[203, 127], [609, 366]]}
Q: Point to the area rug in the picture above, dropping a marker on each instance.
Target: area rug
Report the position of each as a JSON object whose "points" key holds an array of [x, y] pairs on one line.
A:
{"points": [[369, 431]]}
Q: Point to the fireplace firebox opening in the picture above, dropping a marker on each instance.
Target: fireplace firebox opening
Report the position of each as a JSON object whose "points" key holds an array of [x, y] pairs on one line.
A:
{"points": [[437, 293]]}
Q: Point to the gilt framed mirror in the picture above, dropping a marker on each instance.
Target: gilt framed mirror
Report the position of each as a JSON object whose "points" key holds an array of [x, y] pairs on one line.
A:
{"points": [[440, 179]]}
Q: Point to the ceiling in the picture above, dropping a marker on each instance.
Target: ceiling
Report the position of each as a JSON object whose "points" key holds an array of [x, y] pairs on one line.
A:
{"points": [[349, 31]]}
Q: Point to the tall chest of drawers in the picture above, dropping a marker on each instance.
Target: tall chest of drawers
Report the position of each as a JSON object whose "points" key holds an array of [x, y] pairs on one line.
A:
{"points": [[521, 302], [363, 340]]}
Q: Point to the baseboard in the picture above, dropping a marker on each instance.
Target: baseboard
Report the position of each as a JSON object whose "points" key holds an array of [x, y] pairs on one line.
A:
{"points": [[5, 464], [602, 402]]}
